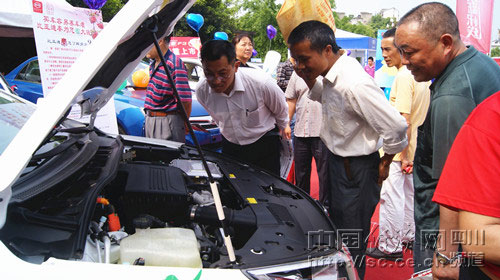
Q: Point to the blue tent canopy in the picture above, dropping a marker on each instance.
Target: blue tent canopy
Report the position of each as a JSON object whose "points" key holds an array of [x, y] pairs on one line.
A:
{"points": [[352, 41]]}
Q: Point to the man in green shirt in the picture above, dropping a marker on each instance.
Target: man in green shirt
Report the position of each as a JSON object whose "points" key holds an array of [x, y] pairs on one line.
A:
{"points": [[429, 41]]}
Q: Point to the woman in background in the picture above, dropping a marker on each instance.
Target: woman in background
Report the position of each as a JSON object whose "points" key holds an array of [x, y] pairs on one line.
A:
{"points": [[243, 44]]}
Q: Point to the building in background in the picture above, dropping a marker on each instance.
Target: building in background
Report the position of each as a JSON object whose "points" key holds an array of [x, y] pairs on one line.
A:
{"points": [[390, 13]]}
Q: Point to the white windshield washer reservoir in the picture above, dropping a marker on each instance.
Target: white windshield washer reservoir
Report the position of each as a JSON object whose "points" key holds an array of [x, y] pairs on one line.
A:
{"points": [[174, 247]]}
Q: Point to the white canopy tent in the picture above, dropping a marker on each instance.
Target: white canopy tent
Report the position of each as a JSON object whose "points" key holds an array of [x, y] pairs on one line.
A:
{"points": [[16, 32], [15, 17]]}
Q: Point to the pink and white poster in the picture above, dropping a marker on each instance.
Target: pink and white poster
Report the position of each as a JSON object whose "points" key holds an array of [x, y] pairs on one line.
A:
{"points": [[62, 32], [185, 46], [474, 21]]}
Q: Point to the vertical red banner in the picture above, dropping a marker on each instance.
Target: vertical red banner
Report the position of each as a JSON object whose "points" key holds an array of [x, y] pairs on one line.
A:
{"points": [[474, 21]]}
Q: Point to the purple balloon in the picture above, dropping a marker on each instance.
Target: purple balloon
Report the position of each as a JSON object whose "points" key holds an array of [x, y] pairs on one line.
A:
{"points": [[271, 32], [254, 52], [95, 4]]}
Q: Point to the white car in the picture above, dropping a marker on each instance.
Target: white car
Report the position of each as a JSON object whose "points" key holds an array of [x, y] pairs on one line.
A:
{"points": [[77, 203]]}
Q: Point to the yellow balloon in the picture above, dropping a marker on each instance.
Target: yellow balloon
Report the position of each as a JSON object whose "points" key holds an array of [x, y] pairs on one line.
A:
{"points": [[140, 78]]}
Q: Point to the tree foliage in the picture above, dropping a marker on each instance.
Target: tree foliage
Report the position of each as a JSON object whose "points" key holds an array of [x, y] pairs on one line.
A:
{"points": [[376, 22], [256, 16], [253, 16], [217, 14], [495, 52], [109, 10]]}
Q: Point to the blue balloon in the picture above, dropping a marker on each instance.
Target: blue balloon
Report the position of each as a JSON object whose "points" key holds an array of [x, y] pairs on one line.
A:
{"points": [[195, 21], [220, 36]]}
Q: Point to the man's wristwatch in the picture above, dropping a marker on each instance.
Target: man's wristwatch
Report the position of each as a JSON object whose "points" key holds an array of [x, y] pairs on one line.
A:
{"points": [[443, 259]]}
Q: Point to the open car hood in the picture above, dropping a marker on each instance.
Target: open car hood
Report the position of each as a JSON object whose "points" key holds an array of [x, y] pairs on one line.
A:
{"points": [[97, 73]]}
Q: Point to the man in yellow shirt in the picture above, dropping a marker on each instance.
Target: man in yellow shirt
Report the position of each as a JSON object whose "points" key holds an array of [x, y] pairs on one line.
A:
{"points": [[411, 99]]}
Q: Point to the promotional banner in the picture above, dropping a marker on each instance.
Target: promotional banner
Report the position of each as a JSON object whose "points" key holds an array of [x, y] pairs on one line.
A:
{"points": [[61, 34], [378, 50], [185, 46], [474, 21], [384, 75]]}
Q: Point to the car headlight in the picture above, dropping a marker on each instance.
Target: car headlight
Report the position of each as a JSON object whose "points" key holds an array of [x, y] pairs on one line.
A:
{"points": [[330, 267]]}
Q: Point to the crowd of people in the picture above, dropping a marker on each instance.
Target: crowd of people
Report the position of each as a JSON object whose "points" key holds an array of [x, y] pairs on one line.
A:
{"points": [[367, 149]]}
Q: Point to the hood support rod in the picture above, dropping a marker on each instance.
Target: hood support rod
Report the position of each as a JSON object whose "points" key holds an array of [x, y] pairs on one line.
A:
{"points": [[152, 25]]}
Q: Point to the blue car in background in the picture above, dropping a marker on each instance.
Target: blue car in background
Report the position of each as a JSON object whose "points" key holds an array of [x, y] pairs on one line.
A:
{"points": [[129, 102]]}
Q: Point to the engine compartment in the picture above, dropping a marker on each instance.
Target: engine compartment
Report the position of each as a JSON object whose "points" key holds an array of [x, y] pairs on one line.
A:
{"points": [[160, 196], [128, 186]]}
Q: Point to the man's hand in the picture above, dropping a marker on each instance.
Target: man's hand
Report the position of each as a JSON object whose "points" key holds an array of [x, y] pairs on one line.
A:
{"points": [[383, 172], [445, 272], [406, 166], [383, 168], [287, 133]]}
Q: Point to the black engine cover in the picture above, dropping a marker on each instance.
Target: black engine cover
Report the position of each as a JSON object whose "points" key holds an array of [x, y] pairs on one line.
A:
{"points": [[155, 190]]}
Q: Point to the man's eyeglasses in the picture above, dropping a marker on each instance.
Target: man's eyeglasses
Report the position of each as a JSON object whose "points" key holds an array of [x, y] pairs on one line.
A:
{"points": [[220, 77]]}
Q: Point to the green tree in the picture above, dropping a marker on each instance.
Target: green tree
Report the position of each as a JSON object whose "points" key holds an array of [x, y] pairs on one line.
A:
{"points": [[332, 3], [378, 22], [358, 28], [228, 16], [256, 16], [217, 15], [109, 9], [495, 52]]}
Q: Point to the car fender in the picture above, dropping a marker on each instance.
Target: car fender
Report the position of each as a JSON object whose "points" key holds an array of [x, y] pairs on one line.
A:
{"points": [[130, 118]]}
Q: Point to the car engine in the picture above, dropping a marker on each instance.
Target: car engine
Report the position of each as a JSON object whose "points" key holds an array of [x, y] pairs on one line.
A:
{"points": [[170, 197], [131, 201]]}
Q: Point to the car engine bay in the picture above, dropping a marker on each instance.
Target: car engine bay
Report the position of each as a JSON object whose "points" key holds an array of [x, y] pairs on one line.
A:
{"points": [[119, 201]]}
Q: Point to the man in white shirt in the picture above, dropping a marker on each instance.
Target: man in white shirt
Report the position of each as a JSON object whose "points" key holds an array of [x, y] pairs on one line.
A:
{"points": [[247, 105], [357, 121], [307, 143], [411, 99]]}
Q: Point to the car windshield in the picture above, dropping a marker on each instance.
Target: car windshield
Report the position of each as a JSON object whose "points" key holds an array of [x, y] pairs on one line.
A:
{"points": [[3, 84], [13, 115]]}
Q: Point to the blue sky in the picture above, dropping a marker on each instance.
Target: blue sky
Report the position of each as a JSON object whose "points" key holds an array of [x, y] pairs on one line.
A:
{"points": [[354, 7]]}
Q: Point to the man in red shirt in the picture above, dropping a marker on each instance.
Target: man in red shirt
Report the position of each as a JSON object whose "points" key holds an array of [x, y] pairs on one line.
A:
{"points": [[470, 184]]}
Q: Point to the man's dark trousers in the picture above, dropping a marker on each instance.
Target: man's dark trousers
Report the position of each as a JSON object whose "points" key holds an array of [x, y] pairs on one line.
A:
{"points": [[304, 149], [264, 152], [354, 194]]}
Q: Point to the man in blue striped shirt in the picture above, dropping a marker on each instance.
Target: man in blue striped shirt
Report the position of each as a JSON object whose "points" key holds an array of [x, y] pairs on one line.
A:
{"points": [[163, 120]]}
